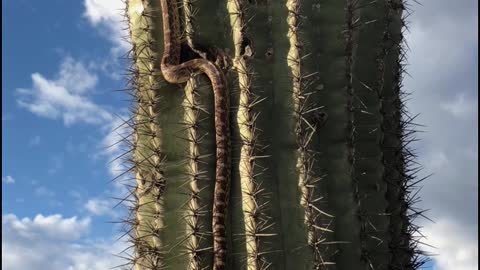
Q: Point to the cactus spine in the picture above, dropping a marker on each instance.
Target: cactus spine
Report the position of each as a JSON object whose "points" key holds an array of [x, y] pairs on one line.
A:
{"points": [[321, 170]]}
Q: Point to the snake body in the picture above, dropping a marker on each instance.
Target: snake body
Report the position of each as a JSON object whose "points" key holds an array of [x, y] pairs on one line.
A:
{"points": [[176, 72]]}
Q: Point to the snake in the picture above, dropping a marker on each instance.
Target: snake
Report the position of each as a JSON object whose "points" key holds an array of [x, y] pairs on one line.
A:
{"points": [[176, 72]]}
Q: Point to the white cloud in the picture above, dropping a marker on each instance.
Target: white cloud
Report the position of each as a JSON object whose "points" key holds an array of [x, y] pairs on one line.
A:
{"points": [[8, 179], [100, 207], [108, 16], [98, 11], [75, 77], [460, 106], [455, 248], [64, 97], [54, 226], [61, 97], [53, 242]]}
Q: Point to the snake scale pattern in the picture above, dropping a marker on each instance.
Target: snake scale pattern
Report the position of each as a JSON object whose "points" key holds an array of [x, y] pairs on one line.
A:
{"points": [[176, 72]]}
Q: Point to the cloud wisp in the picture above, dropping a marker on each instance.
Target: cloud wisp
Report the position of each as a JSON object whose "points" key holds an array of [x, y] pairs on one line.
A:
{"points": [[460, 106], [63, 97], [8, 179], [108, 17], [101, 207], [66, 97], [53, 242], [453, 247]]}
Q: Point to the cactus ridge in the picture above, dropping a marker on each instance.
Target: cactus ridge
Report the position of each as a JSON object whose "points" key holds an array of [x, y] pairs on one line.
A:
{"points": [[253, 196]]}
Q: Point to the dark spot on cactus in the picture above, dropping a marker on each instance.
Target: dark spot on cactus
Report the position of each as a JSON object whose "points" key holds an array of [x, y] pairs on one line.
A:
{"points": [[269, 54], [320, 118], [270, 19]]}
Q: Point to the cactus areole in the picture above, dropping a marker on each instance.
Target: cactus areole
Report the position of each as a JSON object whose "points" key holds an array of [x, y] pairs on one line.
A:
{"points": [[270, 134]]}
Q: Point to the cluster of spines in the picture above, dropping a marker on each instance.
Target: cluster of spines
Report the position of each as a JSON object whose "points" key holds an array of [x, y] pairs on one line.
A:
{"points": [[378, 89], [370, 225], [253, 196], [307, 120], [397, 159], [394, 122], [197, 208], [145, 219], [349, 32], [402, 172]]}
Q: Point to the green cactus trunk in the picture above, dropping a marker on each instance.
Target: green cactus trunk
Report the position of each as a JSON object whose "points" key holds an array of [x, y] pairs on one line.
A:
{"points": [[321, 169]]}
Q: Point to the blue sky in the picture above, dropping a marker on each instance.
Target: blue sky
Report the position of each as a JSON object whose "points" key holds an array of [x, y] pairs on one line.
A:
{"points": [[58, 106], [56, 161], [61, 66]]}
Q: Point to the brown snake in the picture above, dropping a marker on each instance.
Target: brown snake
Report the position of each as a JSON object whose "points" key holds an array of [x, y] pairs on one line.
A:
{"points": [[176, 72]]}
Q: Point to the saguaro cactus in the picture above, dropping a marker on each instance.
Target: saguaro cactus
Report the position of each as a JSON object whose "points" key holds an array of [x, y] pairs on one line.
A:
{"points": [[321, 172]]}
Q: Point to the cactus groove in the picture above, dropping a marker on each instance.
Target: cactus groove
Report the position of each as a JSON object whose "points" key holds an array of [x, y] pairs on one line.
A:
{"points": [[316, 133]]}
